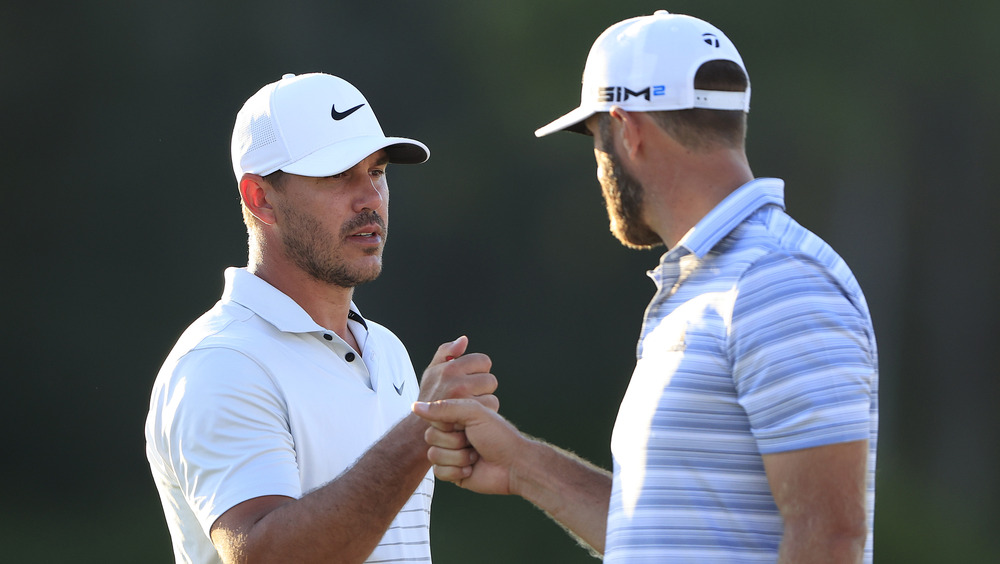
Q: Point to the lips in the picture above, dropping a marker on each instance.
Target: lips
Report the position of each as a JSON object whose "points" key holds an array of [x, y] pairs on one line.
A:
{"points": [[368, 226], [373, 232]]}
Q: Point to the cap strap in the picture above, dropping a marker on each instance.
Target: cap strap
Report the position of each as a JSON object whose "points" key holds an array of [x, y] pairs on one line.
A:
{"points": [[720, 100]]}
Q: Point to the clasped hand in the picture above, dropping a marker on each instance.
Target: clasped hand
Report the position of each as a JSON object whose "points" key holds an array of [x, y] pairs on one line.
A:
{"points": [[454, 374], [468, 442]]}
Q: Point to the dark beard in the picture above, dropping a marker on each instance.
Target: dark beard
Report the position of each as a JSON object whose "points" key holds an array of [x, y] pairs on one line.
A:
{"points": [[623, 199], [306, 245]]}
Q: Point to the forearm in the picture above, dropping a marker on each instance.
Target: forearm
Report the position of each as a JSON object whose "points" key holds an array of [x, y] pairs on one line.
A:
{"points": [[575, 493], [345, 519], [803, 546], [492, 456]]}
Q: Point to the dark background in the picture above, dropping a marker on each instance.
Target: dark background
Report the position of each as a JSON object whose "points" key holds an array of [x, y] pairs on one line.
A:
{"points": [[120, 213]]}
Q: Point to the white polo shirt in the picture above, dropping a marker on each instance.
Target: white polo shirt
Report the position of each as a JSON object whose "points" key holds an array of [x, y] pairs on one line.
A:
{"points": [[257, 399]]}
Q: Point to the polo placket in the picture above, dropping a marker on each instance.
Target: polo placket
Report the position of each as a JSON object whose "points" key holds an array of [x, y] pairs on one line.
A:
{"points": [[358, 366]]}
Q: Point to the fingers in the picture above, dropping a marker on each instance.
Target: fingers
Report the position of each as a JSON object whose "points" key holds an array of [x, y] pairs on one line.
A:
{"points": [[489, 401], [451, 350], [452, 473], [448, 457], [470, 384], [440, 437], [450, 454], [453, 373], [465, 376], [471, 363], [454, 351], [460, 411]]}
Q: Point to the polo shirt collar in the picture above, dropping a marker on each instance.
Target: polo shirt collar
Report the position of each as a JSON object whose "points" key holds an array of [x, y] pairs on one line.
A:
{"points": [[728, 214], [271, 304]]}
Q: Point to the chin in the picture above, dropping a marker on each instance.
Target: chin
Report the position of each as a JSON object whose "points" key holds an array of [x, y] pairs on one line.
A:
{"points": [[370, 272]]}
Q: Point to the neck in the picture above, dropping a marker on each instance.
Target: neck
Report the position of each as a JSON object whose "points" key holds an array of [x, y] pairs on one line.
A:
{"points": [[327, 304], [682, 189]]}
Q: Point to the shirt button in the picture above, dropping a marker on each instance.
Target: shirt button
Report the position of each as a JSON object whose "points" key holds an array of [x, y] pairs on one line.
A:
{"points": [[349, 357], [328, 337]]}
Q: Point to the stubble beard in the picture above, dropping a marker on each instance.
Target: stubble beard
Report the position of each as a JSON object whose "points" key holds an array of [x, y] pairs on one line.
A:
{"points": [[309, 246]]}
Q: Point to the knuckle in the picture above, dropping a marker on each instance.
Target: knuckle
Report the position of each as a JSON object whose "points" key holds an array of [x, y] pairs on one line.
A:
{"points": [[492, 382], [446, 473], [459, 440], [484, 361], [493, 402], [459, 390]]}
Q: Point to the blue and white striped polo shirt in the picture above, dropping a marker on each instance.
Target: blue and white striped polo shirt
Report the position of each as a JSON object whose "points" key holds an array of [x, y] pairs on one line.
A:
{"points": [[757, 341]]}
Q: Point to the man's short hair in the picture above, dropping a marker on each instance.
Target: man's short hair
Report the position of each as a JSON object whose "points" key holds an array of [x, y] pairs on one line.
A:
{"points": [[699, 128]]}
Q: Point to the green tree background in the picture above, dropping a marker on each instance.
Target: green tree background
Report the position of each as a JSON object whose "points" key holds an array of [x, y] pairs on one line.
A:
{"points": [[121, 213]]}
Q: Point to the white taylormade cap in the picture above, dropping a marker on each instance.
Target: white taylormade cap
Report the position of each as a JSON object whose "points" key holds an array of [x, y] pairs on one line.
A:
{"points": [[647, 64], [312, 125]]}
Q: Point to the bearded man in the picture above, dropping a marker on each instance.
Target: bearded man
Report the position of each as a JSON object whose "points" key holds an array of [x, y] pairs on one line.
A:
{"points": [[748, 431]]}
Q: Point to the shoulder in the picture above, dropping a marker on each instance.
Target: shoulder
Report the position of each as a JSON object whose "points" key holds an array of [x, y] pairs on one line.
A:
{"points": [[227, 326], [782, 285], [214, 354], [224, 319], [771, 251], [782, 272], [791, 309]]}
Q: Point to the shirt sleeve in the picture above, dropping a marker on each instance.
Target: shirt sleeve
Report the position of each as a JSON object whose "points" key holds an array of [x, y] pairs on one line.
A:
{"points": [[803, 356], [227, 433]]}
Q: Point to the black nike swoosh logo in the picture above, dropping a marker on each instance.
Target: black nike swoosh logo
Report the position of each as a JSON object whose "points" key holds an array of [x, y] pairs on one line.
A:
{"points": [[341, 115]]}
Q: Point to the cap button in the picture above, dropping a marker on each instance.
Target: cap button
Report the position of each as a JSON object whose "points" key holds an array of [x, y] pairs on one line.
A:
{"points": [[288, 75], [661, 13]]}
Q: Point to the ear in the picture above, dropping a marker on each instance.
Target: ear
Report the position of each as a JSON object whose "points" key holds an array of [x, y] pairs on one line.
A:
{"points": [[630, 131], [254, 191]]}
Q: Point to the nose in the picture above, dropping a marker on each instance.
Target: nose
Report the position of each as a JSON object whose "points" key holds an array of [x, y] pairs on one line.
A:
{"points": [[370, 196]]}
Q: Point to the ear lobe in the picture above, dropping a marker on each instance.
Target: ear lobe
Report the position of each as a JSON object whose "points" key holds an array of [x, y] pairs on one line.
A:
{"points": [[254, 193]]}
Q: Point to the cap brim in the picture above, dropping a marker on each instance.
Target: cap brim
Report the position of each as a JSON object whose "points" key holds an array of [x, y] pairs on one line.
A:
{"points": [[572, 121], [336, 158], [406, 151]]}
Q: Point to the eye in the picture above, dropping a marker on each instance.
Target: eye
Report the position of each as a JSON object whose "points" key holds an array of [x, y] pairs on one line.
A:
{"points": [[378, 173]]}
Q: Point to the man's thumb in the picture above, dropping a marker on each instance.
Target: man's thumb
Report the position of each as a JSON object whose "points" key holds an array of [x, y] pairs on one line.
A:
{"points": [[453, 349]]}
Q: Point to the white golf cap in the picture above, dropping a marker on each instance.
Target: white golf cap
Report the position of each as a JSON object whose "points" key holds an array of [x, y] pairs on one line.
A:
{"points": [[312, 125], [648, 64]]}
